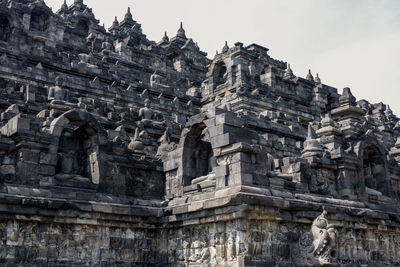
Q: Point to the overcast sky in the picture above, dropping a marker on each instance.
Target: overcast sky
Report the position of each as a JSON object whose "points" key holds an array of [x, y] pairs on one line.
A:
{"points": [[354, 43]]}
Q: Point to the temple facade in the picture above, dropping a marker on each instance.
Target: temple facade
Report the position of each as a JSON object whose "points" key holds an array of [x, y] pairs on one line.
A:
{"points": [[116, 150]]}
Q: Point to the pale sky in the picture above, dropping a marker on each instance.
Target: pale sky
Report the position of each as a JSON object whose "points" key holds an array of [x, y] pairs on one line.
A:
{"points": [[350, 43]]}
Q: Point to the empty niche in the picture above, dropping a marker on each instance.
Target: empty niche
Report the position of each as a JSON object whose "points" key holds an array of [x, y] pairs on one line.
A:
{"points": [[264, 74], [39, 20], [83, 27], [234, 71], [5, 28]]}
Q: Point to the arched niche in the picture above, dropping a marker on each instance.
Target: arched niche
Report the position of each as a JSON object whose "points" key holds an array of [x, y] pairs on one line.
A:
{"points": [[82, 27], [5, 28], [39, 20], [75, 148], [220, 73], [234, 70], [198, 159], [374, 170], [264, 74], [79, 139]]}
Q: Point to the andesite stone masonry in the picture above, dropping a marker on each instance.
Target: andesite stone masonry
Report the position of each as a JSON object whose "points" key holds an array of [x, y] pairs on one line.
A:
{"points": [[116, 150]]}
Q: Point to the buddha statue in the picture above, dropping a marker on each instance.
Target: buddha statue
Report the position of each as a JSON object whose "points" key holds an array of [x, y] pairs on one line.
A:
{"points": [[149, 118], [146, 113], [57, 92]]}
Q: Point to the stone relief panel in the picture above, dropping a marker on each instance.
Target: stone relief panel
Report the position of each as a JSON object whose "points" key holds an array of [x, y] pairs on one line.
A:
{"points": [[217, 244], [351, 244], [261, 242], [72, 244], [144, 183]]}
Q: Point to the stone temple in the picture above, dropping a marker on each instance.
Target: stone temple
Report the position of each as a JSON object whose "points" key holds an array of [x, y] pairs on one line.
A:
{"points": [[120, 151]]}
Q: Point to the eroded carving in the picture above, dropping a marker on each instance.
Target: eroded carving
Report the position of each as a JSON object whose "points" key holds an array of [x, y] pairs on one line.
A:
{"points": [[318, 247]]}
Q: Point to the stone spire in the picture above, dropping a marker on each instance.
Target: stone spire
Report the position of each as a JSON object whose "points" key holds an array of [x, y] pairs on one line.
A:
{"points": [[327, 120], [317, 80], [136, 144], [164, 40], [347, 97], [328, 126], [309, 76], [165, 37], [78, 5], [115, 22], [115, 25], [181, 32], [128, 21], [64, 6], [225, 48], [348, 109], [288, 73], [311, 146], [128, 15]]}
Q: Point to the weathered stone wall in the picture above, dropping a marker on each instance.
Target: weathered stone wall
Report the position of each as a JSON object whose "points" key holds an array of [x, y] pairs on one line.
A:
{"points": [[29, 243], [281, 239], [37, 231], [116, 150], [238, 242]]}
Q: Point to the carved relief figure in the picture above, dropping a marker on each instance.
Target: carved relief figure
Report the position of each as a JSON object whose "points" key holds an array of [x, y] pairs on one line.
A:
{"points": [[201, 253], [231, 247]]}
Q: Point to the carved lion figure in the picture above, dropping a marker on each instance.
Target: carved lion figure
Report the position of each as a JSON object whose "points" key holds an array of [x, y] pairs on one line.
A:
{"points": [[324, 240]]}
